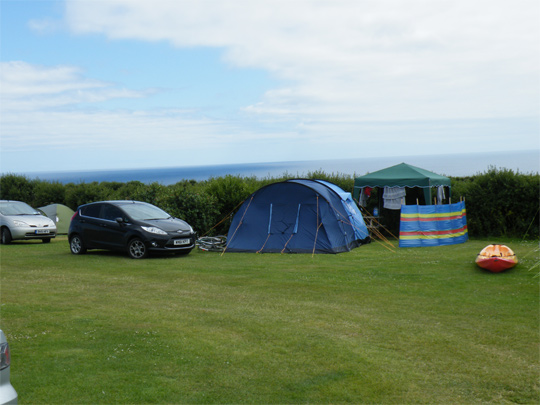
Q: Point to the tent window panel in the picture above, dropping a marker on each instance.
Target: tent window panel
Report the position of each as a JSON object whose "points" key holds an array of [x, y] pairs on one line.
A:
{"points": [[284, 219]]}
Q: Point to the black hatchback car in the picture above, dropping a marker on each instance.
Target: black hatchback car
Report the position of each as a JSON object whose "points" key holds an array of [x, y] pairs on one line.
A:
{"points": [[132, 226]]}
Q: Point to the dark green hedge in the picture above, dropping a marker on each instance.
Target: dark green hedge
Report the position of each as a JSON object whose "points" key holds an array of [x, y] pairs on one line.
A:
{"points": [[499, 202]]}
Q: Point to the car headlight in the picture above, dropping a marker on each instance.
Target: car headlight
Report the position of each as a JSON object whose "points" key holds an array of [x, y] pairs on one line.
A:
{"points": [[153, 229], [19, 223]]}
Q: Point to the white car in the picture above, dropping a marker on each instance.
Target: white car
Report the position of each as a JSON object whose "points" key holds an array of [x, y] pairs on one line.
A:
{"points": [[8, 395], [19, 221]]}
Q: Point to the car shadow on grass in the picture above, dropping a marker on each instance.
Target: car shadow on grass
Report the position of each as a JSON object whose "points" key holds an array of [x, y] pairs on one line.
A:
{"points": [[124, 255], [26, 242]]}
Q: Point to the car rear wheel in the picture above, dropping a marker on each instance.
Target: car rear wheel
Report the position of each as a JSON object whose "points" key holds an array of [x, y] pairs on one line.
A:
{"points": [[137, 249], [77, 245], [6, 236]]}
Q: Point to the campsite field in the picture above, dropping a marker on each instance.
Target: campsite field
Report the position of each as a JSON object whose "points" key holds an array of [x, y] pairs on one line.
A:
{"points": [[418, 325]]}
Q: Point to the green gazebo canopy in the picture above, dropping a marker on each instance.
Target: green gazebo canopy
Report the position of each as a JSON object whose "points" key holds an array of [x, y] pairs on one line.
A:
{"points": [[401, 175]]}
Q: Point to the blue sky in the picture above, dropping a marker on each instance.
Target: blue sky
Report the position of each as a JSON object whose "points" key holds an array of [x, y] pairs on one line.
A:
{"points": [[114, 84]]}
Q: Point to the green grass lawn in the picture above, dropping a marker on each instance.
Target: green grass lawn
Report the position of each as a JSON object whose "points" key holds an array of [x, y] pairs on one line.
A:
{"points": [[418, 325]]}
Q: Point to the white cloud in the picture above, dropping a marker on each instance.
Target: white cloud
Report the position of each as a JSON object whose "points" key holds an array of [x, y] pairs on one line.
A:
{"points": [[30, 87], [375, 60], [41, 111], [45, 113], [120, 130], [45, 25], [49, 140]]}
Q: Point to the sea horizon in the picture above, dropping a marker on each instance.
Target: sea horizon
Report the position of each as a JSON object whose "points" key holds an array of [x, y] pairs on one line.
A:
{"points": [[453, 165]]}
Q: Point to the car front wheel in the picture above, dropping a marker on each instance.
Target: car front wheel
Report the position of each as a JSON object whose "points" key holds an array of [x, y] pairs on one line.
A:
{"points": [[77, 245], [6, 236], [137, 249]]}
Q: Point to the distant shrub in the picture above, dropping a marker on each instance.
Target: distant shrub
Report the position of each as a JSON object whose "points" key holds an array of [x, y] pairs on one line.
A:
{"points": [[83, 193], [229, 191], [198, 209], [344, 181], [153, 193], [19, 188], [501, 202], [46, 193], [127, 191]]}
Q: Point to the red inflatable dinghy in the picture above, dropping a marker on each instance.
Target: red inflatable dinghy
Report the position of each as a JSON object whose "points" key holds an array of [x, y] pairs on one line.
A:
{"points": [[496, 258]]}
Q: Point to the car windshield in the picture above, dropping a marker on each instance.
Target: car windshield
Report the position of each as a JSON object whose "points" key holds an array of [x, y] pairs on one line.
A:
{"points": [[17, 208], [142, 212]]}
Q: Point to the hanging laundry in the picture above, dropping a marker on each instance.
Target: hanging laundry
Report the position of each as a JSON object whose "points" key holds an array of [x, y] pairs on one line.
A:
{"points": [[394, 197], [440, 195]]}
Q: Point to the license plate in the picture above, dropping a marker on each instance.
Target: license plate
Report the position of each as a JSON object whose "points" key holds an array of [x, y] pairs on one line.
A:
{"points": [[180, 242], [41, 231]]}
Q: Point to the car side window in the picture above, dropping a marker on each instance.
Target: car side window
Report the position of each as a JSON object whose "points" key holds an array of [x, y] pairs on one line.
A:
{"points": [[110, 213], [91, 210]]}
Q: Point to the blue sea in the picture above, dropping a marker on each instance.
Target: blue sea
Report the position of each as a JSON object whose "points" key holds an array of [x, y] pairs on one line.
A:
{"points": [[455, 165]]}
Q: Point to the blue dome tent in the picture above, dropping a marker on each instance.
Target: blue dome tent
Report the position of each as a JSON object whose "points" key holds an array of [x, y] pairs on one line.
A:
{"points": [[297, 216]]}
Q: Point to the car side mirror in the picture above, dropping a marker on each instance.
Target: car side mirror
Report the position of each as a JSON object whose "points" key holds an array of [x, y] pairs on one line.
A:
{"points": [[120, 220]]}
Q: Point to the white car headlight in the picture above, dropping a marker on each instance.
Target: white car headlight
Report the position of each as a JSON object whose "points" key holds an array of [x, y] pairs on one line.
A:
{"points": [[153, 229], [19, 223]]}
